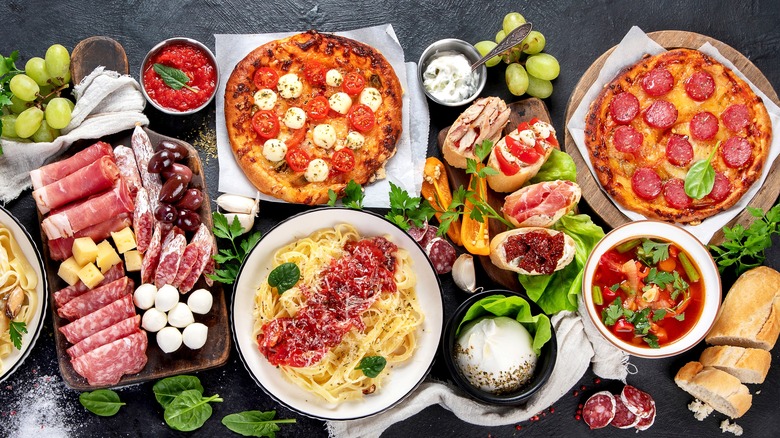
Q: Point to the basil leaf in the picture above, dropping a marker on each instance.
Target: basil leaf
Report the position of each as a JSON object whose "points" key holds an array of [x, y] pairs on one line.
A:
{"points": [[701, 177], [103, 402], [167, 389], [173, 77], [255, 423], [284, 276], [189, 410], [372, 365]]}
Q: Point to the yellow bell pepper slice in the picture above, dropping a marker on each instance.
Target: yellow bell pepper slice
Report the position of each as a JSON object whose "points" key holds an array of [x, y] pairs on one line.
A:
{"points": [[436, 190], [475, 234]]}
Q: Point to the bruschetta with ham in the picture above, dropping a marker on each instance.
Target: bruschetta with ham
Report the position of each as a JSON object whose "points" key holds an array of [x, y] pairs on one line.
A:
{"points": [[483, 120], [541, 204]]}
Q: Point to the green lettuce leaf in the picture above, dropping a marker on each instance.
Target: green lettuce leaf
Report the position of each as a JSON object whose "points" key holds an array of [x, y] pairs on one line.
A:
{"points": [[560, 165]]}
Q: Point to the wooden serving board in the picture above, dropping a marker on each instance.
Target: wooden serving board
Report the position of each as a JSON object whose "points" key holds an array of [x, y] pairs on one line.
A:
{"points": [[213, 354], [522, 111], [670, 39], [97, 51]]}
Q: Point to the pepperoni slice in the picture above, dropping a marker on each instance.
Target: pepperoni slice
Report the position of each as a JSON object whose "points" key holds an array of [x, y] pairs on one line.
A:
{"points": [[661, 114], [599, 410], [700, 86], [624, 419], [624, 107], [704, 126], [674, 193], [646, 183], [736, 152], [645, 423], [679, 150], [627, 139], [736, 117], [657, 82], [638, 402], [721, 188]]}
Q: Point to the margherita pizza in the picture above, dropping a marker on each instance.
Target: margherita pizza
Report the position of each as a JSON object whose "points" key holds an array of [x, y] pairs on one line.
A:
{"points": [[656, 119], [308, 113]]}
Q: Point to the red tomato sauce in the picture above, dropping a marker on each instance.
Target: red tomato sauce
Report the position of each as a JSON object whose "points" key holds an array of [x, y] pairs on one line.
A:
{"points": [[347, 288], [195, 63]]}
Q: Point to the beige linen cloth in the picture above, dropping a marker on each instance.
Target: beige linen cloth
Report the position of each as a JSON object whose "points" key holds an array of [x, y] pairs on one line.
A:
{"points": [[106, 103], [579, 346]]}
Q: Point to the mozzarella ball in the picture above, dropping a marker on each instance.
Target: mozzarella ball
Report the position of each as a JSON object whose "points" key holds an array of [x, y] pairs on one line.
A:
{"points": [[200, 301], [144, 296], [290, 86], [195, 335], [371, 97], [333, 78], [153, 320], [169, 339], [274, 150], [355, 140], [324, 136], [166, 298], [180, 316], [316, 171], [265, 99], [294, 118], [340, 102]]}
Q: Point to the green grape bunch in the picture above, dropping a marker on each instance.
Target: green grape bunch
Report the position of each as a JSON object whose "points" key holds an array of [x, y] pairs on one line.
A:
{"points": [[31, 106], [529, 70]]}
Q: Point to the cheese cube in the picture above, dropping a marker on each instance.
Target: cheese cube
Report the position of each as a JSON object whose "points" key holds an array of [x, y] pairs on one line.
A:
{"points": [[69, 271], [133, 261], [124, 240], [107, 256], [84, 250], [90, 275]]}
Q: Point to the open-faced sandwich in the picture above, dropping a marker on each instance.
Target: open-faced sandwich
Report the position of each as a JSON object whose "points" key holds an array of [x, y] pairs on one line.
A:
{"points": [[532, 250], [483, 120], [542, 204], [519, 156]]}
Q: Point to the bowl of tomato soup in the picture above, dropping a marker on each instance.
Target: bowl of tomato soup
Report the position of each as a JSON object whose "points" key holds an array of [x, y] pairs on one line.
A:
{"points": [[179, 76], [651, 289]]}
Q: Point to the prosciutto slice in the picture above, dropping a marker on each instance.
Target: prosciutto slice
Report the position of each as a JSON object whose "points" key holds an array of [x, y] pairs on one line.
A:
{"points": [[55, 171], [67, 222], [106, 336], [64, 296], [542, 204], [61, 249], [205, 243], [107, 364], [93, 300], [96, 321], [83, 183], [128, 168], [142, 147]]}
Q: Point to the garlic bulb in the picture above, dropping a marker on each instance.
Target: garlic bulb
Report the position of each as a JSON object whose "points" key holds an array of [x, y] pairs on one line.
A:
{"points": [[238, 204], [247, 221], [464, 274]]}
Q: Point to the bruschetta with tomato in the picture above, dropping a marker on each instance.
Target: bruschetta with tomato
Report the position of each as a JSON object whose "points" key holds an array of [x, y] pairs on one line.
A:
{"points": [[519, 156], [532, 250]]}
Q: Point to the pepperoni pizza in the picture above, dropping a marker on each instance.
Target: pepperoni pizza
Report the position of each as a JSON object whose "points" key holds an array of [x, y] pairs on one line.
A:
{"points": [[308, 113], [657, 118]]}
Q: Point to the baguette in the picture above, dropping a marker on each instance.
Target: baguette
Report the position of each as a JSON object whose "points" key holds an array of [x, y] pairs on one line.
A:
{"points": [[483, 120], [750, 314], [499, 245], [719, 389], [749, 365]]}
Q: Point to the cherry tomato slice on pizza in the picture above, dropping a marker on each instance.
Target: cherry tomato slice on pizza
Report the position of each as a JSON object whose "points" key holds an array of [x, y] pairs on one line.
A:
{"points": [[317, 108], [266, 124], [353, 83], [314, 72], [361, 117], [343, 160], [297, 159], [296, 137], [266, 77]]}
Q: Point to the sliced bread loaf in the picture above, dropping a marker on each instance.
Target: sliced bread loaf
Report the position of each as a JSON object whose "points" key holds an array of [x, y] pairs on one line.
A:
{"points": [[717, 388], [749, 365]]}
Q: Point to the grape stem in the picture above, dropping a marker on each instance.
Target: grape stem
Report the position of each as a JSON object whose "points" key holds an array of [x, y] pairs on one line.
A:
{"points": [[55, 91]]}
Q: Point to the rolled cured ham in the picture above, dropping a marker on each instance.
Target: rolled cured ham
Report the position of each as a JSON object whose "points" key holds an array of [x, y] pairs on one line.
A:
{"points": [[96, 321], [142, 147], [205, 243], [64, 296], [67, 222], [61, 249], [93, 300], [107, 364], [128, 168], [55, 171], [106, 336], [83, 183], [542, 204]]}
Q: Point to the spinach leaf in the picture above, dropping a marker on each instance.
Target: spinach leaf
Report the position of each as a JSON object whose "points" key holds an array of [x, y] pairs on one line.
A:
{"points": [[103, 402], [189, 410], [701, 177], [372, 365], [284, 276], [173, 77], [255, 423], [167, 389]]}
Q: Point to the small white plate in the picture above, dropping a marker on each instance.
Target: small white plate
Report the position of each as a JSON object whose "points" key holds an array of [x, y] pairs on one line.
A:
{"points": [[402, 380], [15, 359]]}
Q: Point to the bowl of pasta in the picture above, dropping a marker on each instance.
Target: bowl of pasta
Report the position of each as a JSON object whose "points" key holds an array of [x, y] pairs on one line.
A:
{"points": [[23, 292], [337, 313]]}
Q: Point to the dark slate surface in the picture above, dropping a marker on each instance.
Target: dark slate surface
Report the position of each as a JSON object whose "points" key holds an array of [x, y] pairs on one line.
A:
{"points": [[577, 32]]}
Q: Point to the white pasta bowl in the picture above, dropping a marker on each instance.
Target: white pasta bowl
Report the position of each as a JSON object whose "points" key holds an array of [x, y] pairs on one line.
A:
{"points": [[402, 379]]}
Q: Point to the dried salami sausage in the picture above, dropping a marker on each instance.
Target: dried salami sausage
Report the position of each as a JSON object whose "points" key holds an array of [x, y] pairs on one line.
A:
{"points": [[721, 188], [646, 183], [736, 152], [624, 419], [736, 117], [657, 82], [679, 150], [700, 86], [442, 254], [638, 402], [674, 193], [599, 410]]}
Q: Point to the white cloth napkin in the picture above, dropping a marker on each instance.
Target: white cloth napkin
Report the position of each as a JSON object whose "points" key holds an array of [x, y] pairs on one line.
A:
{"points": [[106, 103], [577, 348], [404, 169]]}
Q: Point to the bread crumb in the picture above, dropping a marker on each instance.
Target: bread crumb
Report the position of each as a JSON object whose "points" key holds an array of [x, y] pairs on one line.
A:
{"points": [[726, 426], [700, 409], [758, 392]]}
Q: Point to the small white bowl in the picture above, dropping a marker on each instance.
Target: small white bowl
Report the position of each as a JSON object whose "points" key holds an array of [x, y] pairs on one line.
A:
{"points": [[449, 46], [701, 257]]}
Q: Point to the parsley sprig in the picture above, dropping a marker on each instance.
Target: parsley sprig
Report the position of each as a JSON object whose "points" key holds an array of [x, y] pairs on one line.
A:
{"points": [[405, 209], [745, 248], [7, 71], [230, 259], [353, 196], [652, 252], [16, 329]]}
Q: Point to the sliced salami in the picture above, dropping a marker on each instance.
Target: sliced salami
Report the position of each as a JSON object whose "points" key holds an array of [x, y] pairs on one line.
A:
{"points": [[143, 220], [638, 402], [679, 150], [170, 258], [624, 108], [210, 265], [442, 254], [107, 364], [206, 248], [624, 419], [736, 117], [417, 233], [119, 330], [674, 193], [627, 139], [63, 296], [96, 321], [152, 256], [704, 126], [661, 114], [142, 147], [646, 183], [128, 168], [721, 188], [736, 152], [599, 410], [657, 82], [700, 86], [188, 260], [93, 300], [646, 422]]}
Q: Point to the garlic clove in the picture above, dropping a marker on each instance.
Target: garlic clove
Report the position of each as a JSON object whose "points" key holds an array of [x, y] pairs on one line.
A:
{"points": [[237, 204], [247, 221], [463, 273]]}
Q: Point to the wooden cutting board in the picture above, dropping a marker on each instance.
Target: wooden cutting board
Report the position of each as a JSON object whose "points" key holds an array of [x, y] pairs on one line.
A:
{"points": [[670, 39], [522, 111], [213, 354]]}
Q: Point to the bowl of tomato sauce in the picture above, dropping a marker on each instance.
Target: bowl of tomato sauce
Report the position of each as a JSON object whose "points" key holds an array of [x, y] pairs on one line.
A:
{"points": [[651, 289], [179, 76]]}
